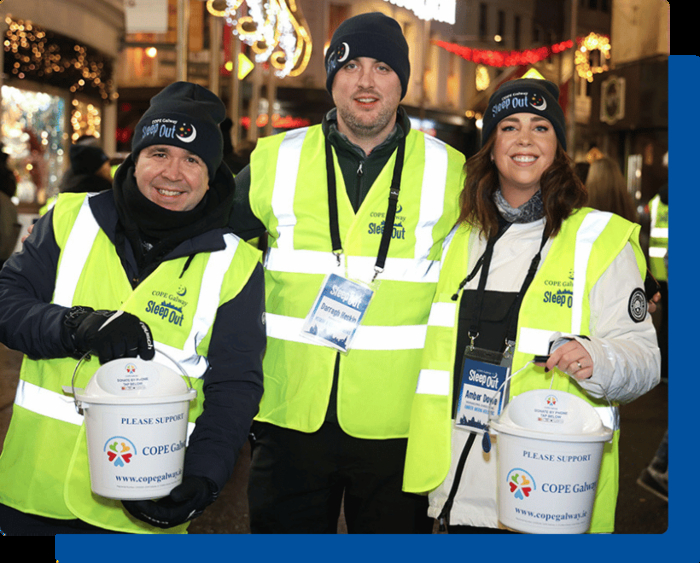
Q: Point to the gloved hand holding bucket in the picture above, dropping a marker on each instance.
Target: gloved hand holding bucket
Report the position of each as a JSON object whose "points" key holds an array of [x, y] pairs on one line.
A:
{"points": [[136, 418]]}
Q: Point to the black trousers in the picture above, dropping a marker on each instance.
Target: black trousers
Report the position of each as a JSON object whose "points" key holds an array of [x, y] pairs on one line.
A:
{"points": [[298, 481]]}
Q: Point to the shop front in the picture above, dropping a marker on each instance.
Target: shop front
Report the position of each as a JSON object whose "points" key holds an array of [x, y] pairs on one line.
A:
{"points": [[54, 90]]}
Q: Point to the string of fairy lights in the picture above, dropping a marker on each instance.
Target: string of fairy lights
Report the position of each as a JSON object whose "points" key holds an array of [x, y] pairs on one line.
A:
{"points": [[36, 53]]}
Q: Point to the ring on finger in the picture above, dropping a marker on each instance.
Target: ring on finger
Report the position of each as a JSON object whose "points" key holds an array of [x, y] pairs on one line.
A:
{"points": [[579, 364]]}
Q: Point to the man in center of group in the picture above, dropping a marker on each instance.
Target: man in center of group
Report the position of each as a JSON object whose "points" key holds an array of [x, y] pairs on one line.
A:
{"points": [[368, 201]]}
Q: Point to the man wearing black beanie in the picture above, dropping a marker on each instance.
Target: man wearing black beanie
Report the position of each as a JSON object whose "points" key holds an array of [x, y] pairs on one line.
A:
{"points": [[356, 206], [149, 266]]}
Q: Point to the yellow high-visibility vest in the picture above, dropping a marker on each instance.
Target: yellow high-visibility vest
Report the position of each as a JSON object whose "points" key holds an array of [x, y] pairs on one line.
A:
{"points": [[377, 376], [580, 253], [44, 463]]}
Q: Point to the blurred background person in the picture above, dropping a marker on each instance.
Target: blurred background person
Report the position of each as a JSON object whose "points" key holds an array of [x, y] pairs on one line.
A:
{"points": [[607, 189], [232, 159], [9, 225], [89, 168]]}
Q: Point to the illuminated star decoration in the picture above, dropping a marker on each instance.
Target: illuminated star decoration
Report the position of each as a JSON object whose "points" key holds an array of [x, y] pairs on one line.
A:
{"points": [[275, 30]]}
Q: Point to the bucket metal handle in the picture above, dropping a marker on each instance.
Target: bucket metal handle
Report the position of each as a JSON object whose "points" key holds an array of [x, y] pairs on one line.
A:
{"points": [[87, 354], [486, 440]]}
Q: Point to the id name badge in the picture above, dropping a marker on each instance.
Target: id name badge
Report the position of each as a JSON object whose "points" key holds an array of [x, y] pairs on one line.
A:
{"points": [[337, 312], [481, 390]]}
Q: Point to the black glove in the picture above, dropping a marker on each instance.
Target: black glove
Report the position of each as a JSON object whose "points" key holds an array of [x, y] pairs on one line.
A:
{"points": [[185, 502], [109, 334]]}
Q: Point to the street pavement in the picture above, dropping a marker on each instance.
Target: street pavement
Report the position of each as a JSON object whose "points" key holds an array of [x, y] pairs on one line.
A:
{"points": [[643, 423]]}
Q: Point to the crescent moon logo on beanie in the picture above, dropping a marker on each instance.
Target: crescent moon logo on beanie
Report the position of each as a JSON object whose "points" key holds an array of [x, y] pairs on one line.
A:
{"points": [[343, 52], [186, 133], [538, 102]]}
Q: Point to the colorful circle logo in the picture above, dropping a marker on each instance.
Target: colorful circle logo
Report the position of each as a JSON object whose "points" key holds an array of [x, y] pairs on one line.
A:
{"points": [[551, 401], [119, 450], [130, 369], [521, 483]]}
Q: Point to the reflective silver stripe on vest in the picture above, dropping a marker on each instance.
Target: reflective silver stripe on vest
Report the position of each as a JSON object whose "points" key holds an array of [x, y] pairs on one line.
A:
{"points": [[657, 251], [316, 262], [73, 261], [407, 337], [432, 201], [75, 254], [207, 305], [282, 196], [434, 382], [47, 403], [591, 228], [442, 314]]}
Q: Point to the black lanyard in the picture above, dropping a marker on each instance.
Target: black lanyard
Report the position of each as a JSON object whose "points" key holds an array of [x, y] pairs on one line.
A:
{"points": [[484, 263], [390, 213]]}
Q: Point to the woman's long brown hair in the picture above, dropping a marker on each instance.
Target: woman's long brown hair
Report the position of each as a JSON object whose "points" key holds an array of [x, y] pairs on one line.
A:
{"points": [[562, 191]]}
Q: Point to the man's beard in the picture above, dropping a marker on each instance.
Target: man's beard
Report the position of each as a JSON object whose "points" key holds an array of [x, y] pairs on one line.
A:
{"points": [[362, 128]]}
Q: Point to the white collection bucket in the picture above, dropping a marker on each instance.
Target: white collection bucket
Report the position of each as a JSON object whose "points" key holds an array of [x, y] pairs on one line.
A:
{"points": [[136, 415], [550, 445]]}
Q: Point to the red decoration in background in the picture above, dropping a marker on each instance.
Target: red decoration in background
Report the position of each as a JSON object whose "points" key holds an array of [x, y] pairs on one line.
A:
{"points": [[504, 58]]}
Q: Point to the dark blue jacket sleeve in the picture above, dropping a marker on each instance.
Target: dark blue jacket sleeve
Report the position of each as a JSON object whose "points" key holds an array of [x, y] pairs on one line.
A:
{"points": [[242, 220], [28, 321], [233, 384]]}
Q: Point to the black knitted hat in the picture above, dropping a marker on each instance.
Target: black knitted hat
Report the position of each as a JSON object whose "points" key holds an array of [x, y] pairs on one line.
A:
{"points": [[525, 95], [369, 35], [184, 115], [86, 159]]}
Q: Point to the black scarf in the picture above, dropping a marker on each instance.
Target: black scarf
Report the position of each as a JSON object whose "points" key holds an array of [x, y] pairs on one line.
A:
{"points": [[154, 231]]}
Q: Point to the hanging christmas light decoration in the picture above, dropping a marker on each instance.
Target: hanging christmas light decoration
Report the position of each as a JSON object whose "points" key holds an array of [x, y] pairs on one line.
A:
{"points": [[275, 30], [504, 58], [35, 53], [584, 67], [592, 42]]}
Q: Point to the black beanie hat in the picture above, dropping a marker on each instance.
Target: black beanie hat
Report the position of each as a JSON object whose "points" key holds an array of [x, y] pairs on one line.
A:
{"points": [[369, 35], [86, 159], [525, 95], [184, 115]]}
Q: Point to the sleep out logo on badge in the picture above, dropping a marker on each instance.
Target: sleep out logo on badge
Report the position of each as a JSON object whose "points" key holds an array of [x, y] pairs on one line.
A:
{"points": [[520, 483], [119, 450]]}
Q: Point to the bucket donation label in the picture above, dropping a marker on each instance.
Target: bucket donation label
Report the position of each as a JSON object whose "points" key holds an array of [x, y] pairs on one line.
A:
{"points": [[547, 487], [142, 450]]}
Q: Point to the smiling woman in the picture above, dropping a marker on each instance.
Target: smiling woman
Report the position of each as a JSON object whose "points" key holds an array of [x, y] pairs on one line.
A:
{"points": [[548, 295], [524, 148]]}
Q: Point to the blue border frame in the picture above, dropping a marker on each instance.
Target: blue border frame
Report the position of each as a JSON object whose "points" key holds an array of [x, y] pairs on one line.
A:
{"points": [[684, 79]]}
